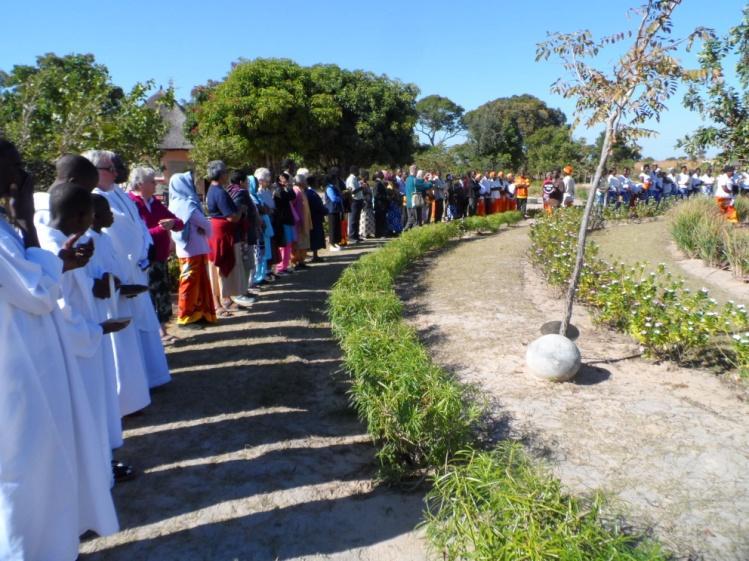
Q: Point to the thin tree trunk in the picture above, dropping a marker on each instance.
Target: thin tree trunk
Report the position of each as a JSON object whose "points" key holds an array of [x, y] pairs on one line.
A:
{"points": [[581, 238]]}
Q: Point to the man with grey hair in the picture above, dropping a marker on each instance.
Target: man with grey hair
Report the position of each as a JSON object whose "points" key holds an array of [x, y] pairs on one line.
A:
{"points": [[132, 242]]}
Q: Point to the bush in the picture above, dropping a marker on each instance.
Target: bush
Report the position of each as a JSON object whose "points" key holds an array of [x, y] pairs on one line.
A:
{"points": [[414, 410], [496, 505], [655, 308]]}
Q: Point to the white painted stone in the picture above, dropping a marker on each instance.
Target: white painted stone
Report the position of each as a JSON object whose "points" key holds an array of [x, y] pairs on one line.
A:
{"points": [[553, 357]]}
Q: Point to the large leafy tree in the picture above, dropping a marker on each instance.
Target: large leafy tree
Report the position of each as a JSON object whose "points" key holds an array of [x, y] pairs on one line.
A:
{"points": [[554, 147], [621, 153], [623, 97], [266, 109], [723, 105], [69, 104], [500, 128], [440, 119]]}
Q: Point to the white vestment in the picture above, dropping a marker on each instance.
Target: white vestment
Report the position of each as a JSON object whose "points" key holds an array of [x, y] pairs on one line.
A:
{"points": [[131, 240], [132, 381], [87, 337], [52, 487]]}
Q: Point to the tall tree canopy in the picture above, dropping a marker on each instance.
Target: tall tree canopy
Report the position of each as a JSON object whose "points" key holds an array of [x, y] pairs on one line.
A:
{"points": [[553, 147], [623, 152], [500, 129], [440, 119], [725, 106], [266, 109], [69, 104]]}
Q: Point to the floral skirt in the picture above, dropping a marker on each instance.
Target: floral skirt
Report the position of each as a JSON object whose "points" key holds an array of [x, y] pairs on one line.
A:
{"points": [[158, 286]]}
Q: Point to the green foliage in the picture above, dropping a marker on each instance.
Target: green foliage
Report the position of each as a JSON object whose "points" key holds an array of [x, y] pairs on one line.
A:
{"points": [[622, 154], [725, 107], [554, 147], [266, 109], [414, 410], [68, 104], [666, 318], [499, 130], [700, 231], [497, 506], [439, 117]]}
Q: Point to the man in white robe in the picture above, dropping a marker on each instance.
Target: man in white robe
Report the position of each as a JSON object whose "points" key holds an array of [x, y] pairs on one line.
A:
{"points": [[131, 241], [50, 491]]}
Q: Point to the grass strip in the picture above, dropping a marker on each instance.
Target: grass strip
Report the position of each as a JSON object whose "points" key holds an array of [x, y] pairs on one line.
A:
{"points": [[484, 504]]}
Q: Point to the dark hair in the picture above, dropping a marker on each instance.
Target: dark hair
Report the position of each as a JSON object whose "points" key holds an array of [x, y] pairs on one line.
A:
{"points": [[76, 169], [330, 179], [67, 200], [354, 170], [288, 163], [237, 176], [379, 175], [121, 170], [727, 169], [312, 181], [99, 201]]}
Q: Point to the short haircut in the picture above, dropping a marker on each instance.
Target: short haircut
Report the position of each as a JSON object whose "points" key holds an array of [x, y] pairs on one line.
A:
{"points": [[237, 176], [300, 179], [68, 200], [354, 170], [99, 202], [262, 174], [311, 181], [412, 169], [100, 158], [121, 171], [288, 163], [140, 175], [216, 169], [76, 169]]}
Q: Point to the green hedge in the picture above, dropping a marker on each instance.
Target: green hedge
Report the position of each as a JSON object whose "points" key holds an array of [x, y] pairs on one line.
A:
{"points": [[484, 505], [415, 411], [668, 319]]}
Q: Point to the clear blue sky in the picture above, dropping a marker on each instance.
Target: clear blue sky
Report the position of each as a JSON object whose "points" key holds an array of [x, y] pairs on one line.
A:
{"points": [[471, 51]]}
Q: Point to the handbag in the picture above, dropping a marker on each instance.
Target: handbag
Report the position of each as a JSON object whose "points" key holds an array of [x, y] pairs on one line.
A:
{"points": [[417, 199]]}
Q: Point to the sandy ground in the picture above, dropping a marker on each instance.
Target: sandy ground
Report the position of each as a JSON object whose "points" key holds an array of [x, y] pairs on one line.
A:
{"points": [[252, 452], [668, 444], [651, 242]]}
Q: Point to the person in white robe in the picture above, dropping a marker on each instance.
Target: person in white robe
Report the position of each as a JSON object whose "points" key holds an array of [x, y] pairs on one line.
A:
{"points": [[131, 241], [50, 492], [132, 381], [70, 213]]}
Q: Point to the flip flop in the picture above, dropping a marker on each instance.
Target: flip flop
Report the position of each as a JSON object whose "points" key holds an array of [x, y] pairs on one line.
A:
{"points": [[122, 472]]}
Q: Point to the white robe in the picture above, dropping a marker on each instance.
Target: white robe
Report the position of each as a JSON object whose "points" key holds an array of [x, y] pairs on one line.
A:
{"points": [[131, 240], [132, 381], [85, 336], [49, 493]]}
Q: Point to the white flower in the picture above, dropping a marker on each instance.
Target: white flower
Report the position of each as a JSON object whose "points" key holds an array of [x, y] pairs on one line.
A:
{"points": [[704, 290], [737, 337]]}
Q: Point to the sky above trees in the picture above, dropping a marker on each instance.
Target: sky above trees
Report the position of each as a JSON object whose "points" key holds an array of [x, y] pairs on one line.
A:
{"points": [[471, 52]]}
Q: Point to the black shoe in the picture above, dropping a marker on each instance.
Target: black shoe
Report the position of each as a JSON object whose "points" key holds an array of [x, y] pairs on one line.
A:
{"points": [[122, 472]]}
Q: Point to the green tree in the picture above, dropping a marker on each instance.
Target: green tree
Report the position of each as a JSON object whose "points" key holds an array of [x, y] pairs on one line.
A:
{"points": [[266, 109], [621, 154], [553, 147], [624, 97], [68, 104], [440, 119], [724, 106]]}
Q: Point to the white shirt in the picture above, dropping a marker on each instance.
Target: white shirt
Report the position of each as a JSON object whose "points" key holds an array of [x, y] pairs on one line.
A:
{"points": [[708, 183], [684, 180], [352, 184], [486, 185], [724, 186]]}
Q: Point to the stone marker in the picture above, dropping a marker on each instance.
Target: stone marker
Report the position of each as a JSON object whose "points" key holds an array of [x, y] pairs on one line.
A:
{"points": [[553, 357]]}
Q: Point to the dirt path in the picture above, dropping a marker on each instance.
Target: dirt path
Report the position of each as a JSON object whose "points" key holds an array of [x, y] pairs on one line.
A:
{"points": [[670, 445], [252, 452], [651, 242]]}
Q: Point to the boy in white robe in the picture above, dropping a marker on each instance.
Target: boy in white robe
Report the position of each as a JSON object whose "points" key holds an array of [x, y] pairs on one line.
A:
{"points": [[50, 492], [132, 381], [71, 213], [131, 241]]}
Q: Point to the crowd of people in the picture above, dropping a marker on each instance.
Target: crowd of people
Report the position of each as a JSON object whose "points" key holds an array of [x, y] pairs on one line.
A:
{"points": [[86, 294]]}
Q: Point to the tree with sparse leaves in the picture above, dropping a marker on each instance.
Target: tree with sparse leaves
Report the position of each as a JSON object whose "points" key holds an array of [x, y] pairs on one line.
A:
{"points": [[440, 119], [68, 104], [622, 98], [725, 106]]}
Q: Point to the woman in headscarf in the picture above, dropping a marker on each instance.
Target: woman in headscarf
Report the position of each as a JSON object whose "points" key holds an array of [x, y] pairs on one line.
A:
{"points": [[195, 302], [317, 214], [304, 224]]}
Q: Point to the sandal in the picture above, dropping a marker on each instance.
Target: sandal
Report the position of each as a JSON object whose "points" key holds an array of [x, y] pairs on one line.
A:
{"points": [[122, 472], [169, 339], [223, 313]]}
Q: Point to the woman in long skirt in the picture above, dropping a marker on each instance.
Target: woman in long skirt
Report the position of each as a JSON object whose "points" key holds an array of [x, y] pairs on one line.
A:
{"points": [[367, 223], [394, 213]]}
